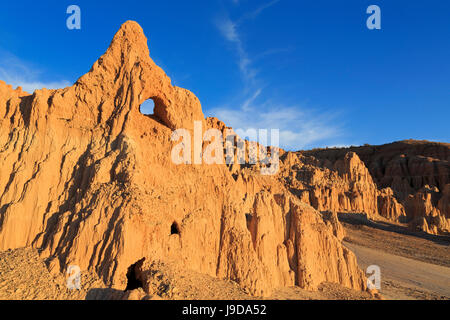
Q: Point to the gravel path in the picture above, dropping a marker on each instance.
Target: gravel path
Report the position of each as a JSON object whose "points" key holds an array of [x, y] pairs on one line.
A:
{"points": [[405, 278]]}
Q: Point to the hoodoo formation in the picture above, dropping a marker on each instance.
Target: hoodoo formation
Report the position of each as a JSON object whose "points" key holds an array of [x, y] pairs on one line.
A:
{"points": [[88, 180], [406, 181]]}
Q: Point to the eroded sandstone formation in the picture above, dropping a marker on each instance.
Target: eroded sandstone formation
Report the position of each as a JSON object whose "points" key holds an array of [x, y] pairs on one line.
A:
{"points": [[412, 178], [89, 181], [342, 186]]}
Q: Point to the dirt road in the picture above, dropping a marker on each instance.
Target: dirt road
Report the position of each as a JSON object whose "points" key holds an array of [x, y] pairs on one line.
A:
{"points": [[404, 278]]}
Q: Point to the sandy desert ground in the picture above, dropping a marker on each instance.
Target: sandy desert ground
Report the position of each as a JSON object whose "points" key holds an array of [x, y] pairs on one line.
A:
{"points": [[414, 266]]}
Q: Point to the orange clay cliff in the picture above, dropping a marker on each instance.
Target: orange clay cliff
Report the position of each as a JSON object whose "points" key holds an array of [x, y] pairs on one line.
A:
{"points": [[88, 180]]}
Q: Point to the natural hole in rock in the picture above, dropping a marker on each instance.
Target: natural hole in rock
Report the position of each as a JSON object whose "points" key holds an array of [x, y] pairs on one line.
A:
{"points": [[132, 280], [148, 107], [174, 229]]}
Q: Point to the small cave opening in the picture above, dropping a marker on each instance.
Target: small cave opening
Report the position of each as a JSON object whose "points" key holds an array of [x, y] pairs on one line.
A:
{"points": [[133, 281], [147, 107], [150, 107], [248, 218], [174, 228]]}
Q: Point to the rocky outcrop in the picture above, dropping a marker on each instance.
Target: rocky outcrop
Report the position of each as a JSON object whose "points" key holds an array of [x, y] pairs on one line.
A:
{"points": [[412, 177], [332, 220], [89, 181], [444, 201], [427, 210], [389, 207], [342, 186]]}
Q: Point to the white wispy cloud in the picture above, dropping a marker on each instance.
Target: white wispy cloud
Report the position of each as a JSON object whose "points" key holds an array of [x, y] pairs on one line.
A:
{"points": [[17, 73], [255, 13], [300, 128], [228, 29], [247, 103]]}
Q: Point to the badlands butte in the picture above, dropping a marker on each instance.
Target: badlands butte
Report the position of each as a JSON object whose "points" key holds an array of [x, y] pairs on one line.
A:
{"points": [[86, 179]]}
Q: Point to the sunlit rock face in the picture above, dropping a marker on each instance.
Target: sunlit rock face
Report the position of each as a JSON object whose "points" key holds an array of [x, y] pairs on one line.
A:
{"points": [[412, 178], [89, 180]]}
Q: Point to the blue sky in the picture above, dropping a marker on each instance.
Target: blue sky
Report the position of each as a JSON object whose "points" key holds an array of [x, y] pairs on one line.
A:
{"points": [[309, 68]]}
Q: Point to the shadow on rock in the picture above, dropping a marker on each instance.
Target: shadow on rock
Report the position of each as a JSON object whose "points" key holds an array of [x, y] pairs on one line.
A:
{"points": [[105, 294]]}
